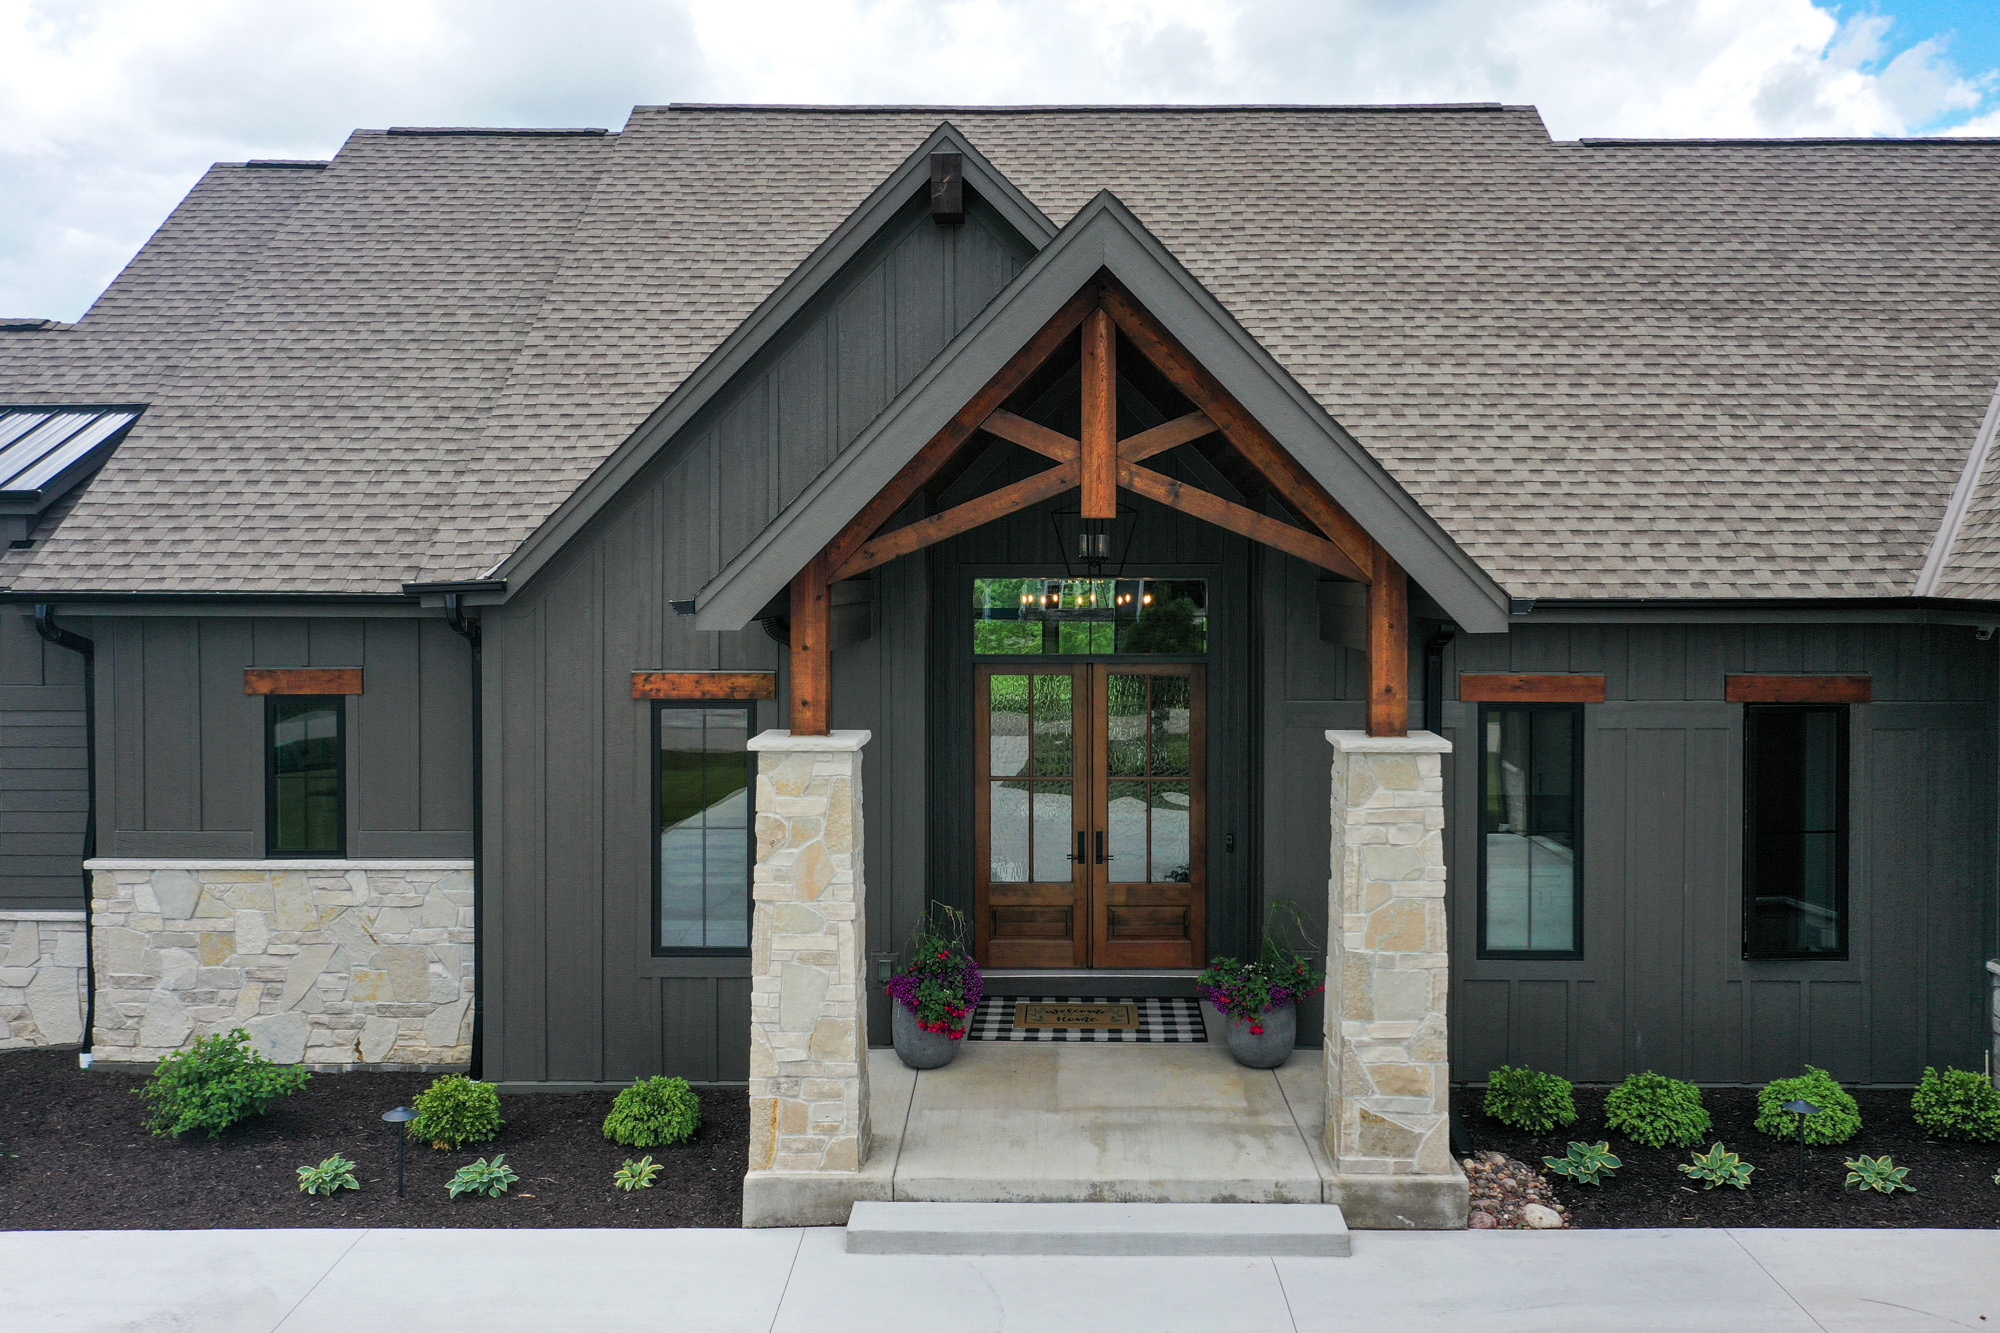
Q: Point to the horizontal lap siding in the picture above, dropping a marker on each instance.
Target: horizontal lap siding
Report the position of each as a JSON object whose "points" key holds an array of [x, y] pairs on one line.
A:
{"points": [[42, 767], [569, 868], [1662, 983]]}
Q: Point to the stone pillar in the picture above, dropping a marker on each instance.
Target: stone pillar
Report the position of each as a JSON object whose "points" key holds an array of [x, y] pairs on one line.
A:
{"points": [[808, 1015], [1388, 979]]}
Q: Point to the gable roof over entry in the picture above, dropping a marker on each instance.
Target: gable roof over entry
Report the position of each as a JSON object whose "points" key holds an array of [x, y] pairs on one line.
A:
{"points": [[1612, 369]]}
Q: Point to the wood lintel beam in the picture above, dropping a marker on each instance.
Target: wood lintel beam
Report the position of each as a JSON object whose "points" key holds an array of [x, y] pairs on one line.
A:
{"points": [[1167, 435], [1099, 453], [1031, 435], [1388, 648], [1210, 508], [959, 518], [302, 680], [698, 685]]}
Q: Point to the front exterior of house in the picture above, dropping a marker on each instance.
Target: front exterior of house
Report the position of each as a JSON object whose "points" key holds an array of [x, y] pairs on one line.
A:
{"points": [[669, 562]]}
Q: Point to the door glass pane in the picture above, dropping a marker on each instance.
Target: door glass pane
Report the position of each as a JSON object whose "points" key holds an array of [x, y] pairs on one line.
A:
{"points": [[1125, 725], [1008, 824], [1170, 726], [1053, 727], [1126, 835], [1055, 838], [1007, 725], [1172, 803]]}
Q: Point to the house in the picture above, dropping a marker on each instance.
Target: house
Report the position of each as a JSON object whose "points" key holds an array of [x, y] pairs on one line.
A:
{"points": [[1584, 556]]}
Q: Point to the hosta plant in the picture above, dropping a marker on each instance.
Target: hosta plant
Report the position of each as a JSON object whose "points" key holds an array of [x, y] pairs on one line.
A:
{"points": [[336, 1173], [1880, 1174], [1585, 1163], [652, 1112], [1718, 1166], [1957, 1104], [636, 1175], [215, 1083], [1837, 1120], [492, 1179], [1655, 1110], [455, 1110], [1530, 1100]]}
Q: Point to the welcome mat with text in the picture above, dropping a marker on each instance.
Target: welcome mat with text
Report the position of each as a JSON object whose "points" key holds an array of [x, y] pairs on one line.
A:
{"points": [[1085, 1018]]}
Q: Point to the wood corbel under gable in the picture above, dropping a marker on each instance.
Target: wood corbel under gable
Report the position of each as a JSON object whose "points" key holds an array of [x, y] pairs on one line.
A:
{"points": [[1098, 464]]}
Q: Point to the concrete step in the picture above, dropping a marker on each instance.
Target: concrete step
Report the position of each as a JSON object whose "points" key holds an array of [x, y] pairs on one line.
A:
{"points": [[1170, 1229]]}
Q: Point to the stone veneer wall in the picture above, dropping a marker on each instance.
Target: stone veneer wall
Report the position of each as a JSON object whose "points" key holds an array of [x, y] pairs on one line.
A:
{"points": [[335, 964], [41, 979], [1388, 980], [808, 1021]]}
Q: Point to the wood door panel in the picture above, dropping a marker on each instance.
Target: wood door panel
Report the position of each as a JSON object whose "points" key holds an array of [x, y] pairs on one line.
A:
{"points": [[1148, 767], [1030, 758]]}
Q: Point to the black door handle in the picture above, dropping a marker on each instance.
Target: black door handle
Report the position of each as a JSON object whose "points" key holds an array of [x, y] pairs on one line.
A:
{"points": [[1082, 856], [1101, 857]]}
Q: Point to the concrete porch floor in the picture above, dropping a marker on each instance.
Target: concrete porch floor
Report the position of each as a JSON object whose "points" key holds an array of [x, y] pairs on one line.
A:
{"points": [[1088, 1122]]}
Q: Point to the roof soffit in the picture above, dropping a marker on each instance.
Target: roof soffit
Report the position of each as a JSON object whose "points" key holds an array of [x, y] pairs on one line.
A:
{"points": [[768, 322], [1105, 235]]}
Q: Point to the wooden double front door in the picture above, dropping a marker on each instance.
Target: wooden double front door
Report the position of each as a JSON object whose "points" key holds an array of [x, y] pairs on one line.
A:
{"points": [[1090, 822]]}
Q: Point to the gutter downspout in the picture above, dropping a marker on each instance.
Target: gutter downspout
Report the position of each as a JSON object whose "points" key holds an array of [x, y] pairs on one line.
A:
{"points": [[45, 625], [454, 616], [1434, 677]]}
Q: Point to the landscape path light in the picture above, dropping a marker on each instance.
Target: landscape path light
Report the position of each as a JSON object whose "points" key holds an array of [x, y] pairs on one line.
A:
{"points": [[1802, 1108], [400, 1116]]}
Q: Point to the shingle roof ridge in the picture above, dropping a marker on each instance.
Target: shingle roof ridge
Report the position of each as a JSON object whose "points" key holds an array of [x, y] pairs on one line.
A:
{"points": [[296, 163], [1803, 141], [447, 130], [952, 108]]}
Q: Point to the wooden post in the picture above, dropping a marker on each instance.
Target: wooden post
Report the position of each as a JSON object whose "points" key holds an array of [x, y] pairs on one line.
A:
{"points": [[1388, 648], [812, 650], [1100, 416]]}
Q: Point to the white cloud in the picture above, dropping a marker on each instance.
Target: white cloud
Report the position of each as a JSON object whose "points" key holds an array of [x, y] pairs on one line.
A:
{"points": [[109, 109]]}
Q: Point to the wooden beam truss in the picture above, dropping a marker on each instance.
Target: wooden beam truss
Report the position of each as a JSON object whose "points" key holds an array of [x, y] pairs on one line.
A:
{"points": [[1099, 464]]}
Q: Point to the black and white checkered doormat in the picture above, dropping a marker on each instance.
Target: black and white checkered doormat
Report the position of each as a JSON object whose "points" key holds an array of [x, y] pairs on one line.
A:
{"points": [[1172, 1018]]}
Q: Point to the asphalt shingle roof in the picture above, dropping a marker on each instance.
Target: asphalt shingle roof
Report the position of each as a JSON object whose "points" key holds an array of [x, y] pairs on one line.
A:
{"points": [[1716, 369]]}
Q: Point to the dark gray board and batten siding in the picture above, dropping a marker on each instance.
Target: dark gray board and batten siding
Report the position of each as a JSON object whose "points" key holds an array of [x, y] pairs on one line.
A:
{"points": [[42, 768], [181, 765], [578, 996]]}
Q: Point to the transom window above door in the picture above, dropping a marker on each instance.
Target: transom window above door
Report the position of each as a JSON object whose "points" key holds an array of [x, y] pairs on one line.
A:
{"points": [[1089, 617]]}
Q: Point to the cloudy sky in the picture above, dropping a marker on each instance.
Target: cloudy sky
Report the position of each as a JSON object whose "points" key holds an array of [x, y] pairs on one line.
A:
{"points": [[110, 109]]}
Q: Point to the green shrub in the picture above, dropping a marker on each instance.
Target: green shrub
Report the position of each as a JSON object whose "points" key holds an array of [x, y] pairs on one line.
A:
{"points": [[637, 1175], [654, 1112], [455, 1110], [1880, 1174], [215, 1083], [1585, 1163], [1957, 1104], [1718, 1166], [1837, 1120], [1529, 1099], [336, 1173], [491, 1179], [1655, 1110]]}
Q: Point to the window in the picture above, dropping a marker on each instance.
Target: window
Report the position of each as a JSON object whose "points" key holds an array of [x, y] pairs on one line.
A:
{"points": [[1795, 831], [1089, 617], [305, 748], [703, 802], [1530, 872]]}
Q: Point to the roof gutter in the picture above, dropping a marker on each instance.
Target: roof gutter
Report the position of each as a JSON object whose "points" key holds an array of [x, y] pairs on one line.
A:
{"points": [[45, 625], [1961, 500]]}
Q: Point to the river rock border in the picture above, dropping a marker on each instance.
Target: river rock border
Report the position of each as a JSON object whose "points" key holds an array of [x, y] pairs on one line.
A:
{"points": [[41, 979], [332, 964]]}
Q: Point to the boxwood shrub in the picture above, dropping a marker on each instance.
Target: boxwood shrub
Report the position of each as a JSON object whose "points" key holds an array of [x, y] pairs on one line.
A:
{"points": [[455, 1110], [215, 1083], [1530, 1100], [654, 1112], [1837, 1120], [1957, 1104], [1655, 1110]]}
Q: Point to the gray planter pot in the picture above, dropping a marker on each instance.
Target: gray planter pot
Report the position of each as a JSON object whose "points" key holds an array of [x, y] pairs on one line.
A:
{"points": [[917, 1048], [1271, 1047]]}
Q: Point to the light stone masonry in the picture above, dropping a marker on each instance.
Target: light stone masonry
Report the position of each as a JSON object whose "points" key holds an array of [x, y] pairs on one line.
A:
{"points": [[333, 964], [1388, 979], [808, 1016], [41, 979]]}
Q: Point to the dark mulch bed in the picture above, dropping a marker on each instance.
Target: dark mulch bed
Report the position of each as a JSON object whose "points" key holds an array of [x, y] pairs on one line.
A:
{"points": [[1954, 1181], [86, 1161]]}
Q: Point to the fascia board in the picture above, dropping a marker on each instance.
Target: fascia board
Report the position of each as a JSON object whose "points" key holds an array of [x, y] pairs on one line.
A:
{"points": [[1104, 235], [767, 321]]}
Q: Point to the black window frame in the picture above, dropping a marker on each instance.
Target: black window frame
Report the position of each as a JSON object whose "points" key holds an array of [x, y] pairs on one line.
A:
{"points": [[1843, 843], [749, 709], [272, 851], [1577, 901]]}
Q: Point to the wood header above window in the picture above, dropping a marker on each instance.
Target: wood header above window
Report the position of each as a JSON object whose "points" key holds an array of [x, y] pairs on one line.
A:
{"points": [[302, 680], [1798, 689], [1518, 689], [704, 684]]}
